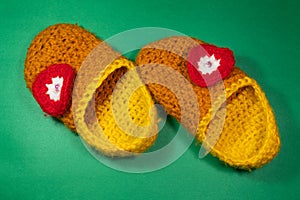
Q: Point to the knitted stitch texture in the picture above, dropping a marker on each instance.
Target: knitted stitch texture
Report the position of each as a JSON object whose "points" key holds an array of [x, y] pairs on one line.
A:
{"points": [[71, 44], [249, 137]]}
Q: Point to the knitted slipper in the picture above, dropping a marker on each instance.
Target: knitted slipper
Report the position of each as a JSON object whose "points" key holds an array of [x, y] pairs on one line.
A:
{"points": [[53, 62], [247, 137]]}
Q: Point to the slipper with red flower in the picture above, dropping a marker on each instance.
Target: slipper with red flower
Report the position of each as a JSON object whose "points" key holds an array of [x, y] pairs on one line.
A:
{"points": [[236, 122], [82, 98]]}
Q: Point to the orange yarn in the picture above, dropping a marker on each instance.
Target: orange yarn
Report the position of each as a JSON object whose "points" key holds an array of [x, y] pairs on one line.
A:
{"points": [[61, 43]]}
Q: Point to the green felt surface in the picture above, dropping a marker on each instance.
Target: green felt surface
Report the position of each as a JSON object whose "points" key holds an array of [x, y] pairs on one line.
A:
{"points": [[41, 159]]}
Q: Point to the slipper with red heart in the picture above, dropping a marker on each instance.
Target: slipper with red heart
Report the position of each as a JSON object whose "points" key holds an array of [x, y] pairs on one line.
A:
{"points": [[208, 64], [52, 88]]}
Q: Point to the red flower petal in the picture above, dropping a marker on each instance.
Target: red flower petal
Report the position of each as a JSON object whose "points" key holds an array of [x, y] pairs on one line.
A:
{"points": [[39, 88], [223, 55]]}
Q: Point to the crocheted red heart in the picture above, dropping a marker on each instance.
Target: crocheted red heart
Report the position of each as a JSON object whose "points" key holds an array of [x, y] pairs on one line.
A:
{"points": [[208, 64], [52, 88]]}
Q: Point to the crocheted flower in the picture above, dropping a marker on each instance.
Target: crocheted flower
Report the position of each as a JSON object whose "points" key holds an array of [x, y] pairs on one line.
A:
{"points": [[52, 88], [208, 64]]}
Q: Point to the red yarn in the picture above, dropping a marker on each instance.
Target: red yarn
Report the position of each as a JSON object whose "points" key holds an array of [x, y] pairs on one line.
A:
{"points": [[227, 62], [39, 88]]}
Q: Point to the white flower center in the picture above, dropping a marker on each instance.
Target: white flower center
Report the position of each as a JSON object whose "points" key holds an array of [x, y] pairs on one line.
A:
{"points": [[54, 89], [208, 64]]}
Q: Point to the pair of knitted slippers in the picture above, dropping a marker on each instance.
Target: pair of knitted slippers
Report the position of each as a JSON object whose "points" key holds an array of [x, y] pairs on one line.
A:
{"points": [[101, 95]]}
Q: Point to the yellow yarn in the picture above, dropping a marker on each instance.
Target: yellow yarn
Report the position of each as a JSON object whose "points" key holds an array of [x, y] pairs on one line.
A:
{"points": [[113, 140], [249, 136]]}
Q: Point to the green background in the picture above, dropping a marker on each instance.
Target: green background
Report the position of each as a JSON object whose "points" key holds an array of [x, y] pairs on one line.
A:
{"points": [[41, 159]]}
